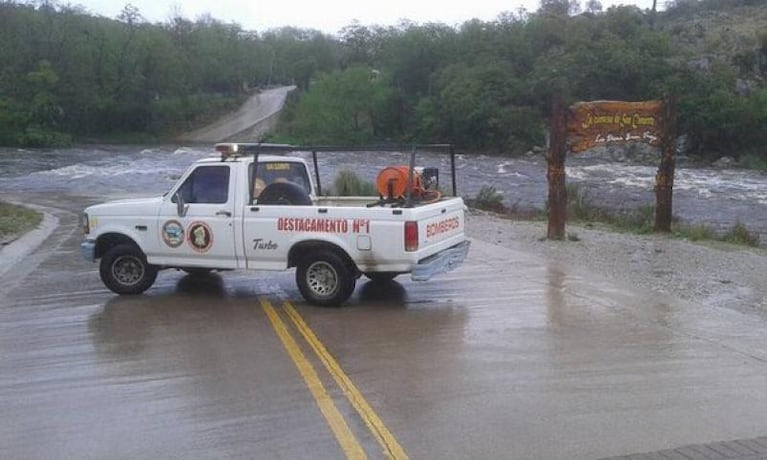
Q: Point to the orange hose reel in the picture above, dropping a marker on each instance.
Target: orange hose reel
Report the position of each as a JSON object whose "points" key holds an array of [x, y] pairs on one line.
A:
{"points": [[392, 183]]}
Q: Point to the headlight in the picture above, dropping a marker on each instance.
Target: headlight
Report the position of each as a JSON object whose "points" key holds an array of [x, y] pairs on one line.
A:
{"points": [[85, 223]]}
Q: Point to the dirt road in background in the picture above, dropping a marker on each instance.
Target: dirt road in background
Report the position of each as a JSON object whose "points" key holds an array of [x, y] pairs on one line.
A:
{"points": [[254, 119]]}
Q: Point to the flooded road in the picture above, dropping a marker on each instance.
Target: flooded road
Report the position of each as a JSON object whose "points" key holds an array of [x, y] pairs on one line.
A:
{"points": [[507, 357], [718, 198]]}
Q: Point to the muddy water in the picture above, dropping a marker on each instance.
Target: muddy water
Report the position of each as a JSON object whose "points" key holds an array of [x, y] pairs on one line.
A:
{"points": [[715, 197]]}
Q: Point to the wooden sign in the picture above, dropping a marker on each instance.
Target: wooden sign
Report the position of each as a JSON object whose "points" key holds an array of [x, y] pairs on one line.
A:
{"points": [[599, 123], [590, 124]]}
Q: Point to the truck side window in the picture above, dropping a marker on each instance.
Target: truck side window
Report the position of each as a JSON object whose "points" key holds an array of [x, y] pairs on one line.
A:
{"points": [[206, 184]]}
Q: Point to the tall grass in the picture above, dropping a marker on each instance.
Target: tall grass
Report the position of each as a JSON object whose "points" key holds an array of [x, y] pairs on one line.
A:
{"points": [[17, 219], [488, 199], [581, 208], [348, 183], [739, 234]]}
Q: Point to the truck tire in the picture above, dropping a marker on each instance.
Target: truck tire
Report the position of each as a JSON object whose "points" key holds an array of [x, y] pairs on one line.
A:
{"points": [[284, 193], [124, 270], [381, 277], [325, 279]]}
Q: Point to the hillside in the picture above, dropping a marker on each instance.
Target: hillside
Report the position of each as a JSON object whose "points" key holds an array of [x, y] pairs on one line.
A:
{"points": [[719, 30]]}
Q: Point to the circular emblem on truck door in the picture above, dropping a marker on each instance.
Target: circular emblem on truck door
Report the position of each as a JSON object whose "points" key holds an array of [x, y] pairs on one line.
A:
{"points": [[173, 233], [200, 236]]}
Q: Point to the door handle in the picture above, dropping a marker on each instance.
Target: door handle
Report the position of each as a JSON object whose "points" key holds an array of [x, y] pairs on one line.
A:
{"points": [[224, 213]]}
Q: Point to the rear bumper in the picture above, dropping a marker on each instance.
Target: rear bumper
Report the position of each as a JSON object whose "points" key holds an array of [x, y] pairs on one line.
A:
{"points": [[441, 262], [88, 250]]}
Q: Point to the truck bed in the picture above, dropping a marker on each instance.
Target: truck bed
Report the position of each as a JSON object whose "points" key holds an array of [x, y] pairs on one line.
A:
{"points": [[363, 201]]}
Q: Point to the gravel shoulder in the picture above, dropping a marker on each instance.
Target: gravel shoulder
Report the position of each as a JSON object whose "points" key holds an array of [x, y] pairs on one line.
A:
{"points": [[710, 274]]}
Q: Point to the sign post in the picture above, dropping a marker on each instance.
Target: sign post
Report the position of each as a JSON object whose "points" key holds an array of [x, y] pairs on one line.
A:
{"points": [[664, 180], [602, 123], [555, 174]]}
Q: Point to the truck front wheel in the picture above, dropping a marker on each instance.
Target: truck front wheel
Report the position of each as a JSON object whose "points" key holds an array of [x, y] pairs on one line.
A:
{"points": [[325, 279], [124, 270]]}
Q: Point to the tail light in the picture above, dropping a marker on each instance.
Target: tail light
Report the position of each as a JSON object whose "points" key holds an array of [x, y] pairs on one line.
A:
{"points": [[86, 224], [411, 236]]}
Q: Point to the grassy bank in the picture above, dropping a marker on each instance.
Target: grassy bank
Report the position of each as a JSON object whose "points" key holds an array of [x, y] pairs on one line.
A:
{"points": [[16, 220], [581, 210]]}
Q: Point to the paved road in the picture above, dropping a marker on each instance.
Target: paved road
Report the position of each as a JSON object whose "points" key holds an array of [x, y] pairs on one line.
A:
{"points": [[507, 357], [249, 122]]}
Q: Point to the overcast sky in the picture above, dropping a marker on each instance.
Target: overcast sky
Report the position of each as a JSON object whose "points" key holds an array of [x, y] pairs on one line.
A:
{"points": [[326, 15]]}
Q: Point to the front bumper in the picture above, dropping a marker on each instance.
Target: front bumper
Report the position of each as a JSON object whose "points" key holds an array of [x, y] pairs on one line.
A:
{"points": [[441, 262], [88, 250]]}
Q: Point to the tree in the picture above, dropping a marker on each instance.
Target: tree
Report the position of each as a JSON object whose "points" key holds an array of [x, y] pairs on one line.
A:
{"points": [[341, 107], [559, 7], [595, 6]]}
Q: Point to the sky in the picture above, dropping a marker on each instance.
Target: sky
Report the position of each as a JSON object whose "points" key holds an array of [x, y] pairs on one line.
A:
{"points": [[328, 16]]}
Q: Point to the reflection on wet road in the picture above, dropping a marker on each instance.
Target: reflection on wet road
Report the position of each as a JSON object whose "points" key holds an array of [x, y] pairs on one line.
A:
{"points": [[508, 357]]}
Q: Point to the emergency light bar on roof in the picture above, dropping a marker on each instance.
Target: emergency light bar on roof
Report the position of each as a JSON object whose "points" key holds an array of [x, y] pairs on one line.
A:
{"points": [[233, 149]]}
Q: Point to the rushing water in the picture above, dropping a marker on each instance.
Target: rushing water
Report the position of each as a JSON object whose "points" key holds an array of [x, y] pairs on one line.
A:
{"points": [[715, 197]]}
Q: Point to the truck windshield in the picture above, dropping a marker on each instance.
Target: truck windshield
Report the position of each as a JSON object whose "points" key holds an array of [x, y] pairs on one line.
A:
{"points": [[280, 171]]}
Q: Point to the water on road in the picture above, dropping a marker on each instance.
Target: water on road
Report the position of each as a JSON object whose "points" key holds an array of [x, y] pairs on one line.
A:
{"points": [[718, 198]]}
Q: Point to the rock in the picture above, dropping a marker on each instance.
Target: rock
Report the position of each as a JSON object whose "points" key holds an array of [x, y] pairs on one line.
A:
{"points": [[724, 162], [702, 65], [744, 87]]}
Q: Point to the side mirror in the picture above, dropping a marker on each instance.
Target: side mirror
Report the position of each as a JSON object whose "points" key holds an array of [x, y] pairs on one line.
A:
{"points": [[181, 207]]}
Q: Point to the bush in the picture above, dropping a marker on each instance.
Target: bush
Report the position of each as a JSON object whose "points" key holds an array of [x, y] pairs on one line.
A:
{"points": [[739, 234], [640, 220], [754, 161], [580, 207], [40, 137], [488, 199], [347, 183], [695, 232]]}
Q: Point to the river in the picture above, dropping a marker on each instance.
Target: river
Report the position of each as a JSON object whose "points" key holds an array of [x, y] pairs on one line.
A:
{"points": [[714, 197]]}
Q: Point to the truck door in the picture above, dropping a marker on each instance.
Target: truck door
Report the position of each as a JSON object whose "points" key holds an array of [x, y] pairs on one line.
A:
{"points": [[204, 235], [266, 241]]}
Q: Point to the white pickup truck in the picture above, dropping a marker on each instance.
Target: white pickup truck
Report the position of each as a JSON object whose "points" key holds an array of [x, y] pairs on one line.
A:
{"points": [[224, 214]]}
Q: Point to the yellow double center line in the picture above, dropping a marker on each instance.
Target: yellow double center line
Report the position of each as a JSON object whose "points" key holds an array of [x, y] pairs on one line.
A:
{"points": [[338, 425]]}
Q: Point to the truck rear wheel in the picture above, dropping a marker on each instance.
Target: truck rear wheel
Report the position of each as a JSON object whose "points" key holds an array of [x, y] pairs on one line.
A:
{"points": [[325, 279], [124, 270]]}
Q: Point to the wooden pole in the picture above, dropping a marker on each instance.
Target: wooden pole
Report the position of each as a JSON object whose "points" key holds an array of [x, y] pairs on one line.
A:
{"points": [[452, 169], [664, 179], [556, 171]]}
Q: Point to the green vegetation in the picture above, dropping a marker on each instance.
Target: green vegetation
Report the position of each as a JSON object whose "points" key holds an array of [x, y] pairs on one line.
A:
{"points": [[488, 199], [15, 220], [348, 183], [581, 209], [754, 161], [698, 232], [69, 75], [739, 234], [487, 86]]}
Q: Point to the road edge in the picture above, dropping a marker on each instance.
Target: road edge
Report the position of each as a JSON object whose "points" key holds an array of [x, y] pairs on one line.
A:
{"points": [[12, 253]]}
